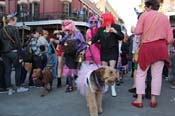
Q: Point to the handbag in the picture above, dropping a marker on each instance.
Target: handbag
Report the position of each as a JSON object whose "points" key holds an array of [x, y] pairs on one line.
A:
{"points": [[136, 54]]}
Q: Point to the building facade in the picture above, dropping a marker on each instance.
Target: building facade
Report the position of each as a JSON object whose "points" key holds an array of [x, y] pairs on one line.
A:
{"points": [[49, 12], [105, 6]]}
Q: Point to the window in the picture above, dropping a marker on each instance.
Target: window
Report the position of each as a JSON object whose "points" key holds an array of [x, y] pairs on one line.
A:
{"points": [[22, 9], [2, 9], [66, 8], [36, 9]]}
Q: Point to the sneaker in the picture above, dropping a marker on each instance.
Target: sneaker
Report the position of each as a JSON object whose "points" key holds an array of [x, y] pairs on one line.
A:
{"points": [[22, 89], [113, 91], [10, 91], [2, 90], [172, 86]]}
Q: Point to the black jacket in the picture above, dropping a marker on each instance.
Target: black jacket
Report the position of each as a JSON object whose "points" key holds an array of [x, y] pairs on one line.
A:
{"points": [[110, 39], [6, 43]]}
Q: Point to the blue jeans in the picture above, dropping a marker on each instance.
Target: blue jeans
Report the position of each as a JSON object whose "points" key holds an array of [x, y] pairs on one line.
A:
{"points": [[9, 59], [129, 65], [53, 60]]}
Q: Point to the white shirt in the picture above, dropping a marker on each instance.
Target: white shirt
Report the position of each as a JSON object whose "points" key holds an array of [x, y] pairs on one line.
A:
{"points": [[136, 43]]}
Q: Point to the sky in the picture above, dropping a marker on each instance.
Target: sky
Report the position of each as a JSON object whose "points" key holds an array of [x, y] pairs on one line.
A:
{"points": [[125, 9]]}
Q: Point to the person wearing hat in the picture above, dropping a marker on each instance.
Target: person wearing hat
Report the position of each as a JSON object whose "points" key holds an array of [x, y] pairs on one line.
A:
{"points": [[12, 52], [57, 55], [59, 50]]}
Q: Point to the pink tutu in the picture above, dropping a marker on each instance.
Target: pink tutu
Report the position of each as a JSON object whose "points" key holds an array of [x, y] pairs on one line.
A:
{"points": [[83, 74], [69, 72]]}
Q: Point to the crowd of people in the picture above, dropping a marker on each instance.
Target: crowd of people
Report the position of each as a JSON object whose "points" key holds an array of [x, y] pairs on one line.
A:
{"points": [[105, 44]]}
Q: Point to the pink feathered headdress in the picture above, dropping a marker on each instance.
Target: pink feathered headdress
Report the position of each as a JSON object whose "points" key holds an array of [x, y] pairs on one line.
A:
{"points": [[108, 19], [68, 25]]}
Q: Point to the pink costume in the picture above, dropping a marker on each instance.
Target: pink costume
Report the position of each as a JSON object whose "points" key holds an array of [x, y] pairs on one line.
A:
{"points": [[95, 48], [153, 51]]}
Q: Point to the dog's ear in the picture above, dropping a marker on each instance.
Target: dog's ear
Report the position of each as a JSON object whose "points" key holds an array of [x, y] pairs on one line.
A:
{"points": [[100, 72]]}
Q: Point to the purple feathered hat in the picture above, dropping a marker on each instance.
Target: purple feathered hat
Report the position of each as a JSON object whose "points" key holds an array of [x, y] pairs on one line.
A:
{"points": [[91, 19]]}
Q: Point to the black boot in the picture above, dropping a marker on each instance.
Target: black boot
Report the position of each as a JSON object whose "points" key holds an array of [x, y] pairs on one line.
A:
{"points": [[70, 84], [58, 82]]}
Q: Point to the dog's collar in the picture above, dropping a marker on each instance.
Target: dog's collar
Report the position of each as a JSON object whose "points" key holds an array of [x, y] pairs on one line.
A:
{"points": [[99, 83]]}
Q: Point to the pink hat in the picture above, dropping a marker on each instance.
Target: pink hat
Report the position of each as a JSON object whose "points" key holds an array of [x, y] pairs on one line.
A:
{"points": [[68, 25]]}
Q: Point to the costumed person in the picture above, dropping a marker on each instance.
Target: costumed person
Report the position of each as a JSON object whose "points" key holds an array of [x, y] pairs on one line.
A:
{"points": [[93, 52], [154, 37], [58, 35], [108, 35], [74, 44]]}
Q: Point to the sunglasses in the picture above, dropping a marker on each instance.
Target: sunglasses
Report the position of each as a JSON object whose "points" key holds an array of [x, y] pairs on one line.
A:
{"points": [[93, 22]]}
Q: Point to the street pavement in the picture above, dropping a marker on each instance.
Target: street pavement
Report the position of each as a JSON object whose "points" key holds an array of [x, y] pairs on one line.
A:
{"points": [[59, 103]]}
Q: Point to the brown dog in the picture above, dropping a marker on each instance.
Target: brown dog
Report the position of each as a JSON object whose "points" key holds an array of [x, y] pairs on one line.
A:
{"points": [[98, 79], [43, 78]]}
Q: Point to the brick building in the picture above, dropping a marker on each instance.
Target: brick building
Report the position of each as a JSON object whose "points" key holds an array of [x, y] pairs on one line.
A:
{"points": [[50, 13]]}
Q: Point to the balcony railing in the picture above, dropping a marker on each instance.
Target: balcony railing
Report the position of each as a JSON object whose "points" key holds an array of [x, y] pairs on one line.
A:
{"points": [[54, 16]]}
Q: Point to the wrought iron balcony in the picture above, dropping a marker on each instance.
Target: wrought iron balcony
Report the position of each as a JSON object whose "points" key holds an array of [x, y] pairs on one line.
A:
{"points": [[53, 16]]}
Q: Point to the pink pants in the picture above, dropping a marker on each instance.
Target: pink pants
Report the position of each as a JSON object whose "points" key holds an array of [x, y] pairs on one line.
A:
{"points": [[156, 83]]}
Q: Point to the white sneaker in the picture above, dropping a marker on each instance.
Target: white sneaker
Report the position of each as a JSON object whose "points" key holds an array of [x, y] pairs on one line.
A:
{"points": [[10, 91], [22, 89], [113, 91]]}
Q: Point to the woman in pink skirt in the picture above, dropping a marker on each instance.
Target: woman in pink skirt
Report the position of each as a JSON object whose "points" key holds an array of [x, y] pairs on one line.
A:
{"points": [[95, 48]]}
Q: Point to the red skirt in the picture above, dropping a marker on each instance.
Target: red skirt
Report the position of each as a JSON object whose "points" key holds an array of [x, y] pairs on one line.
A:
{"points": [[152, 52], [60, 51]]}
